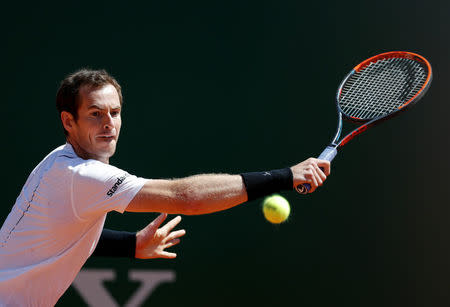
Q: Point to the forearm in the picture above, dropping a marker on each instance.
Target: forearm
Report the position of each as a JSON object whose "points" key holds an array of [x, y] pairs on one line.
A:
{"points": [[193, 195]]}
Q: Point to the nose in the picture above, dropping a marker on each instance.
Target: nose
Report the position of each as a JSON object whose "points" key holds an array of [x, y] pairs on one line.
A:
{"points": [[108, 123]]}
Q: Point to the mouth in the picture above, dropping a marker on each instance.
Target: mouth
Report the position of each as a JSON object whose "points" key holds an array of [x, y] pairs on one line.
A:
{"points": [[106, 137]]}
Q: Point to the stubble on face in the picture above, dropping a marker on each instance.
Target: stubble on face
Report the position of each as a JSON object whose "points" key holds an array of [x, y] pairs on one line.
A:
{"points": [[96, 131]]}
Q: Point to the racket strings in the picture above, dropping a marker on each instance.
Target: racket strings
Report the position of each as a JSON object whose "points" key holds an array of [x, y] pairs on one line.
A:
{"points": [[386, 88], [363, 106], [381, 87]]}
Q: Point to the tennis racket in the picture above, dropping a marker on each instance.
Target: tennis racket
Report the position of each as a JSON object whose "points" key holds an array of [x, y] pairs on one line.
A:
{"points": [[378, 89]]}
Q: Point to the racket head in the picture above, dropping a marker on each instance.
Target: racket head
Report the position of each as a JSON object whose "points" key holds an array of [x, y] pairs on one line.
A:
{"points": [[383, 86]]}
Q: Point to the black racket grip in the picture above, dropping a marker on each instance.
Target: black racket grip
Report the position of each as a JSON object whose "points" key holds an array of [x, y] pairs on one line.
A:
{"points": [[328, 154]]}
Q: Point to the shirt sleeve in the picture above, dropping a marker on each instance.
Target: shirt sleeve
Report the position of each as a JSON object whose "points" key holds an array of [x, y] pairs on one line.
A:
{"points": [[98, 188]]}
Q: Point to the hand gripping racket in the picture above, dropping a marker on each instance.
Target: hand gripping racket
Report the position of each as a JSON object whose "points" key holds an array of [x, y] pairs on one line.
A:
{"points": [[378, 89]]}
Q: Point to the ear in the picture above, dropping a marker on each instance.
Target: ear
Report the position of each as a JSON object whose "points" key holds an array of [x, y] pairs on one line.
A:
{"points": [[67, 121]]}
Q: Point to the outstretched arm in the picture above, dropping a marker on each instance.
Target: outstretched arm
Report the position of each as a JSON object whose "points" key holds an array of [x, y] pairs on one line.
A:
{"points": [[209, 193], [198, 194]]}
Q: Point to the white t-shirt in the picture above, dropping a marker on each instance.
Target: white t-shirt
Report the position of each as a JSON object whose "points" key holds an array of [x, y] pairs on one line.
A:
{"points": [[55, 224]]}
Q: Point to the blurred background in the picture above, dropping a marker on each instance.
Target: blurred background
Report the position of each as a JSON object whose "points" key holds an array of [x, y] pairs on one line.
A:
{"points": [[234, 86]]}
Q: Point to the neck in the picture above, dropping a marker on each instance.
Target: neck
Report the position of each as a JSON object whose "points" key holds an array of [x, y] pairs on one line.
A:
{"points": [[83, 154]]}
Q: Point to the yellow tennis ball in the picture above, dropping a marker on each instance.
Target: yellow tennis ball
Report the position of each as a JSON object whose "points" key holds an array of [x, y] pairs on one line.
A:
{"points": [[276, 209]]}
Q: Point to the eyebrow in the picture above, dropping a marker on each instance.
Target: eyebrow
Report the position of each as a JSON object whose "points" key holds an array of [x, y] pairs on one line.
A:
{"points": [[94, 106]]}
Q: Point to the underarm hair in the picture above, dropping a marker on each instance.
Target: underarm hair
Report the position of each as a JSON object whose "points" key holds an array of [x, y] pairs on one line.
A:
{"points": [[259, 184]]}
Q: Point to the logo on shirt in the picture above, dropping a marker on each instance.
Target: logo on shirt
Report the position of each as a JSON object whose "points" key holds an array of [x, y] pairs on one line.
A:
{"points": [[116, 185]]}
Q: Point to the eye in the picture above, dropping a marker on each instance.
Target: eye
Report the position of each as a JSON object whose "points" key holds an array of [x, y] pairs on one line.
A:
{"points": [[115, 113], [95, 114]]}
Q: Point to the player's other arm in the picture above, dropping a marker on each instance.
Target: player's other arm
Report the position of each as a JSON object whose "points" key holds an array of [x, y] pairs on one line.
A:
{"points": [[207, 193], [149, 242]]}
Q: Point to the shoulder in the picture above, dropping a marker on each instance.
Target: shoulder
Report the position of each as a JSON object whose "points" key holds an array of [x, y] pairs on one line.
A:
{"points": [[87, 174], [66, 159], [92, 170]]}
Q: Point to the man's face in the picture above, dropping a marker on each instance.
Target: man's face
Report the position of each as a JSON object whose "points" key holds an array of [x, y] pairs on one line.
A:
{"points": [[95, 133]]}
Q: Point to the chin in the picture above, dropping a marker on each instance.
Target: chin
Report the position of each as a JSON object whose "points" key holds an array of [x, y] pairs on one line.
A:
{"points": [[110, 152], [107, 152]]}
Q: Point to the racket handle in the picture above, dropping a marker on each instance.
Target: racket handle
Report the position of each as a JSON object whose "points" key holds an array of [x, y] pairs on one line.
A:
{"points": [[328, 154]]}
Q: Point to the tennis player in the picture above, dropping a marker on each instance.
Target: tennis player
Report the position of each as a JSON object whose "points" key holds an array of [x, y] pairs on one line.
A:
{"points": [[57, 219]]}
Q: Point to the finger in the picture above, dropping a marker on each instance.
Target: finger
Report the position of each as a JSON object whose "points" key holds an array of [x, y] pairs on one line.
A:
{"points": [[159, 220], [320, 175], [172, 243], [316, 177], [167, 255], [312, 181], [171, 224], [175, 234], [325, 165]]}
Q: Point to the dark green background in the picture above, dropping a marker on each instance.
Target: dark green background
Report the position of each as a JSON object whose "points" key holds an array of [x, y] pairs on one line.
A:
{"points": [[232, 86]]}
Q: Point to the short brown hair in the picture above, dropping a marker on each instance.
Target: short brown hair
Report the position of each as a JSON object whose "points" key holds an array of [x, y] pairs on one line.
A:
{"points": [[67, 97]]}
